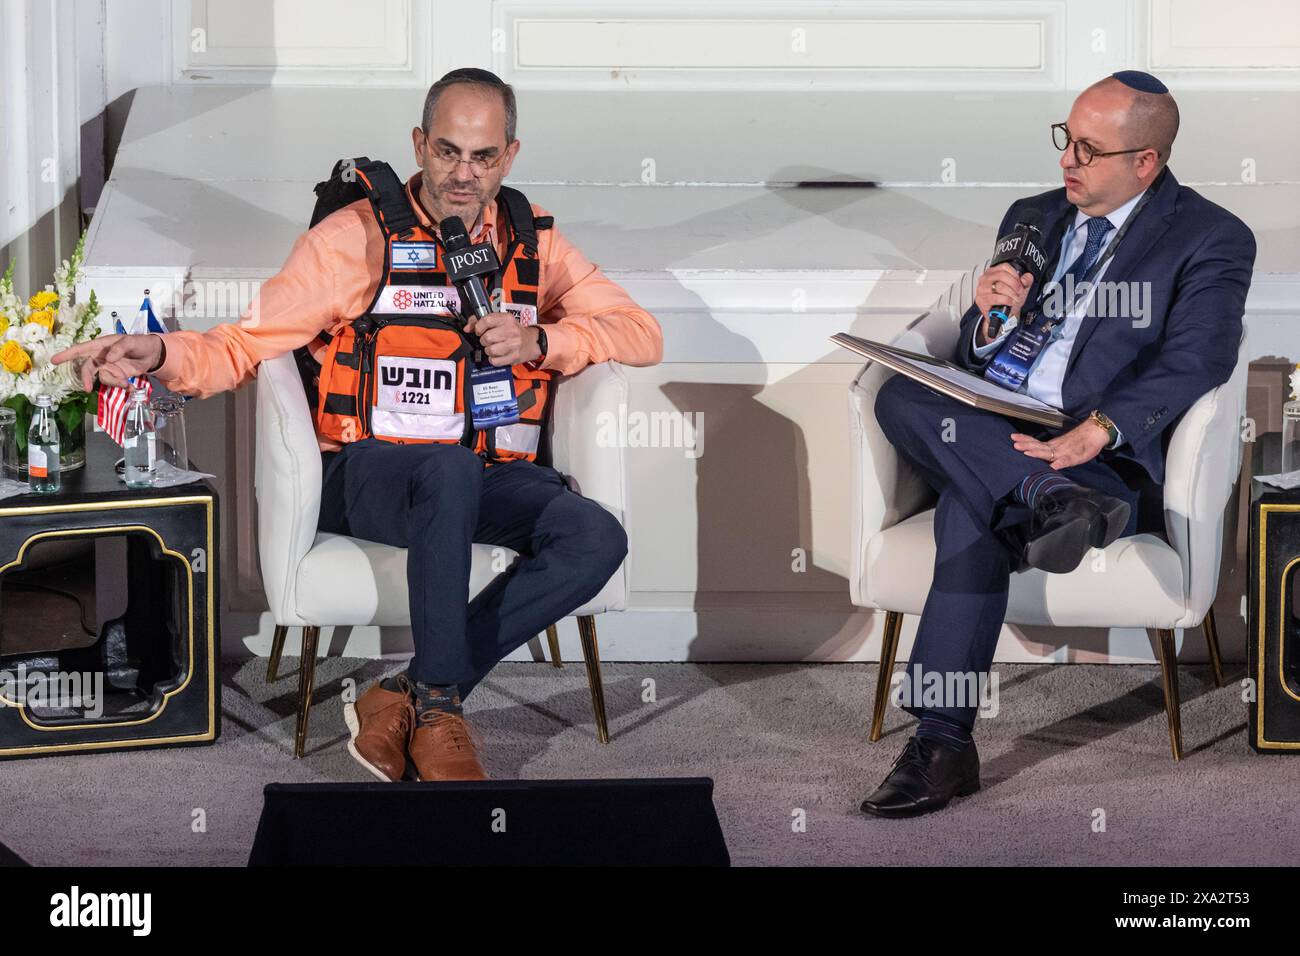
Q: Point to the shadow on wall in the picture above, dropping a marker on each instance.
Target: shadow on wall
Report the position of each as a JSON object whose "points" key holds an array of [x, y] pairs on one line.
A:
{"points": [[754, 497]]}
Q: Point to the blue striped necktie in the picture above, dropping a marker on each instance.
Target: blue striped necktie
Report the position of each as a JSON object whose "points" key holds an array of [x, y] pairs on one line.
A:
{"points": [[1098, 227]]}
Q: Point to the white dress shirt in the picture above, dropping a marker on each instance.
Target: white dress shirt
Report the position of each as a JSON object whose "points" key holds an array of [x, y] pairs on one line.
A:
{"points": [[1046, 378]]}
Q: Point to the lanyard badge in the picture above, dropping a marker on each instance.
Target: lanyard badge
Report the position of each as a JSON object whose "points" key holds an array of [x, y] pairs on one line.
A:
{"points": [[1010, 366], [492, 388], [492, 394]]}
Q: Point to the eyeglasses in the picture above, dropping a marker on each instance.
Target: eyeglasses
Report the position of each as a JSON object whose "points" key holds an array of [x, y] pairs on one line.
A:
{"points": [[1083, 153], [450, 157]]}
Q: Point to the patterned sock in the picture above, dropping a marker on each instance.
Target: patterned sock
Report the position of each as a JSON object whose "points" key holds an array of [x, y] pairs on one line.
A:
{"points": [[443, 697], [396, 684], [936, 726], [1033, 486]]}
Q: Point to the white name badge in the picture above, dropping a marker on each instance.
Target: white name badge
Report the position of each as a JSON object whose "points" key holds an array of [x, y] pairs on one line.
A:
{"points": [[492, 393], [418, 300], [419, 385]]}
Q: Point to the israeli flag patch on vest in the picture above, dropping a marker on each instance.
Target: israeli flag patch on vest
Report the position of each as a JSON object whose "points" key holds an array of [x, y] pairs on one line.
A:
{"points": [[416, 256]]}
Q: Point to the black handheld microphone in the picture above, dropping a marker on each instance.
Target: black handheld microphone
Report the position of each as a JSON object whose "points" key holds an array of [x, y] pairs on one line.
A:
{"points": [[1022, 248], [466, 263]]}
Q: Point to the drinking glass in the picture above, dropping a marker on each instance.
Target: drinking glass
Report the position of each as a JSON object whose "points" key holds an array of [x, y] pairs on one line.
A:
{"points": [[9, 467], [169, 431]]}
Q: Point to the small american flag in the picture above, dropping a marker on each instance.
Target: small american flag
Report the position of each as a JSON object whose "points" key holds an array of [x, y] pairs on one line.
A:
{"points": [[115, 401]]}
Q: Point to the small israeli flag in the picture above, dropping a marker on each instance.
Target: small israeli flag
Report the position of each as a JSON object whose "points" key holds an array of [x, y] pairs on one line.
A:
{"points": [[144, 321], [414, 255]]}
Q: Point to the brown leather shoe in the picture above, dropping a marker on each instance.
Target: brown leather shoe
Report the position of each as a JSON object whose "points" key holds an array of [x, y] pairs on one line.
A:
{"points": [[442, 748], [380, 724]]}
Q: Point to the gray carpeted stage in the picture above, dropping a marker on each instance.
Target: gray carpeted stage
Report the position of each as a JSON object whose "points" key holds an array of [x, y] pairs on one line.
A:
{"points": [[1070, 741]]}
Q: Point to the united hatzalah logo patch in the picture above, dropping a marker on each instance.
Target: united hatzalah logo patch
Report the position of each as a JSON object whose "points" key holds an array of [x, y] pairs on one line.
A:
{"points": [[396, 299]]}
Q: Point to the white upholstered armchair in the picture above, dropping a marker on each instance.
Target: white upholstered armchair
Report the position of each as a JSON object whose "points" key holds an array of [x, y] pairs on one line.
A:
{"points": [[302, 568], [1154, 582]]}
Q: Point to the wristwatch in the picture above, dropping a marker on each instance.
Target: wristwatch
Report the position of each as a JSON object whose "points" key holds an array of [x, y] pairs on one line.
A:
{"points": [[162, 355], [1100, 418], [541, 342]]}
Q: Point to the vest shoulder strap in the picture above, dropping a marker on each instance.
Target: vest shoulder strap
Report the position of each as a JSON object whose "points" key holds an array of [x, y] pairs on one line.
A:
{"points": [[374, 180], [519, 211], [387, 195]]}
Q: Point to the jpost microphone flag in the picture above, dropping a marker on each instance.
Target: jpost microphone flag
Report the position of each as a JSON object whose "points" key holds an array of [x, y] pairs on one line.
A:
{"points": [[114, 401]]}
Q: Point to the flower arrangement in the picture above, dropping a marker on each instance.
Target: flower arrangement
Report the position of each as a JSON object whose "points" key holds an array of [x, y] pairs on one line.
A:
{"points": [[1295, 383], [30, 333]]}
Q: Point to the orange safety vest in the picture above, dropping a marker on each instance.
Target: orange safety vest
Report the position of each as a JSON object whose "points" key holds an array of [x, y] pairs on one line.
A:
{"points": [[399, 372]]}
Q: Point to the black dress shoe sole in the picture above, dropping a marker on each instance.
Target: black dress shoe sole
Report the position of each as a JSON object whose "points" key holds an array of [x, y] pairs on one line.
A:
{"points": [[1063, 548], [965, 790]]}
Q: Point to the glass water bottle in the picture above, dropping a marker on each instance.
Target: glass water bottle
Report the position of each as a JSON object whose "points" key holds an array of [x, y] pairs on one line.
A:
{"points": [[1290, 436], [138, 442], [43, 475]]}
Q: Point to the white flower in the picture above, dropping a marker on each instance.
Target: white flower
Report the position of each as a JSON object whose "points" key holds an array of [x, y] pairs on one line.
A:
{"points": [[1295, 384], [31, 333]]}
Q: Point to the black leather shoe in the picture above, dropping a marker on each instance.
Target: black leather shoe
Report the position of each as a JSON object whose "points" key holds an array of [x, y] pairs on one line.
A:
{"points": [[924, 778], [1067, 522]]}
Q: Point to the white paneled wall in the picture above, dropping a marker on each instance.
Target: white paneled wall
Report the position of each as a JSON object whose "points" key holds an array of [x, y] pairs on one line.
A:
{"points": [[789, 44], [302, 41], [39, 134], [629, 44], [1213, 37], [746, 95], [783, 45]]}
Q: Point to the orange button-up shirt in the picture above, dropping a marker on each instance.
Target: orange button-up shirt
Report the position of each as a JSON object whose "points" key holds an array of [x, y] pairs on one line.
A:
{"points": [[333, 273]]}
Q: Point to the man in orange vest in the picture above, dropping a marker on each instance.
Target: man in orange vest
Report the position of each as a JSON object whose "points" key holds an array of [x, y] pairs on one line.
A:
{"points": [[434, 497]]}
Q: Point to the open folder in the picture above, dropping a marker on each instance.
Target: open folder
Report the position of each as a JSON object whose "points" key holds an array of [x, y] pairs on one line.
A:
{"points": [[952, 380]]}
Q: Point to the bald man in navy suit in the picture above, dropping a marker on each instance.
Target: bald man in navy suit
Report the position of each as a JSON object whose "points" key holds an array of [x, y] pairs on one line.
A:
{"points": [[1138, 314]]}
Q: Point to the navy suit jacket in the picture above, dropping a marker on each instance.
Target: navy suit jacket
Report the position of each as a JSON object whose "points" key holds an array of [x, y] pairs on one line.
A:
{"points": [[1196, 259]]}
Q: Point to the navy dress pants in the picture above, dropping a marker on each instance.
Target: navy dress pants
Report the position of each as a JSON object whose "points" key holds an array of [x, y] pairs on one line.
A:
{"points": [[966, 455], [435, 500]]}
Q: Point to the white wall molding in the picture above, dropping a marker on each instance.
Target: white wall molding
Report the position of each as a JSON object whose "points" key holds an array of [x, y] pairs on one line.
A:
{"points": [[1211, 44], [727, 44], [971, 45], [301, 42]]}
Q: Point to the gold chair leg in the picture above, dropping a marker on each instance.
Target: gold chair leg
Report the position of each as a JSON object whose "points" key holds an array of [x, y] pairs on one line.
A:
{"points": [[888, 651], [306, 676], [553, 639], [591, 655], [277, 648], [1212, 640], [1169, 673]]}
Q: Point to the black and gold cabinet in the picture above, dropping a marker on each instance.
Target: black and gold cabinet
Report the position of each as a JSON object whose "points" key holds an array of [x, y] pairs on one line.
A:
{"points": [[85, 665], [1273, 635]]}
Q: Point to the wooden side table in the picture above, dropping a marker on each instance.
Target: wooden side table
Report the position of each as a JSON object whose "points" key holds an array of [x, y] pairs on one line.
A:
{"points": [[156, 664]]}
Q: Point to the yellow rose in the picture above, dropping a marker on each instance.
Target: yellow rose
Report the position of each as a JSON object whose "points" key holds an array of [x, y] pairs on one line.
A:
{"points": [[15, 358], [45, 317], [4, 324], [41, 300]]}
